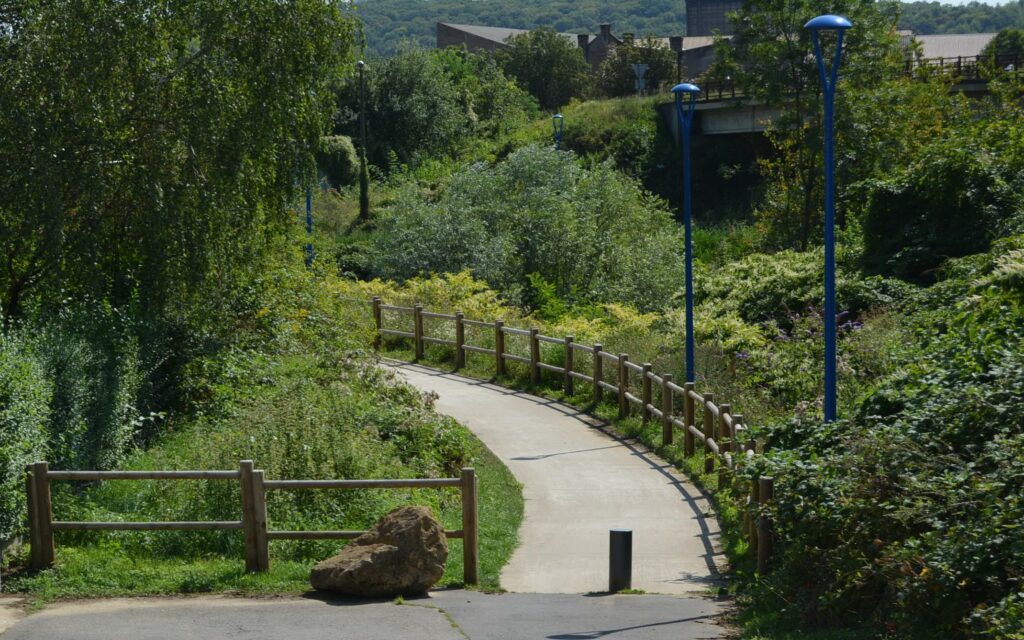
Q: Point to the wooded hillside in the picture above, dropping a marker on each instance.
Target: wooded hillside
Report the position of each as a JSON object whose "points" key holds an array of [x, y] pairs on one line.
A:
{"points": [[390, 23]]}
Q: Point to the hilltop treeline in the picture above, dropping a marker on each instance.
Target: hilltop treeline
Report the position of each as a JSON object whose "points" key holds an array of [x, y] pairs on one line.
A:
{"points": [[390, 23]]}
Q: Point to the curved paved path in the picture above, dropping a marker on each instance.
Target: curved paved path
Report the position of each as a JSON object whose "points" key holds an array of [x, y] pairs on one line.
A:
{"points": [[579, 482]]}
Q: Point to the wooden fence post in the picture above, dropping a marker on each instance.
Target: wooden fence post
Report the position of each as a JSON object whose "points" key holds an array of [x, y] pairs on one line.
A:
{"points": [[709, 432], [689, 417], [598, 371], [378, 319], [666, 409], [460, 340], [752, 506], [723, 440], [417, 330], [568, 386], [646, 393], [534, 357], [42, 513], [623, 385], [470, 537], [766, 487], [499, 348], [33, 525], [259, 512], [245, 469]]}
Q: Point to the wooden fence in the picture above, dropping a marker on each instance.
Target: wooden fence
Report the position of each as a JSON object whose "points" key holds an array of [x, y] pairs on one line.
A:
{"points": [[254, 523], [723, 435]]}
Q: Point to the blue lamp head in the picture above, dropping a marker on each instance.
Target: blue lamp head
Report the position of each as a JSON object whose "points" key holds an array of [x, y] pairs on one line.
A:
{"points": [[558, 122], [828, 23], [685, 88]]}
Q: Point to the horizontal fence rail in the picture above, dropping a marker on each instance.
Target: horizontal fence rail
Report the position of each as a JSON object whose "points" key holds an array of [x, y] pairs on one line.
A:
{"points": [[723, 436], [253, 497], [961, 68]]}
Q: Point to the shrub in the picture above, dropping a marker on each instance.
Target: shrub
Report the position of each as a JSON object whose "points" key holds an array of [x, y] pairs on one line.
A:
{"points": [[593, 234], [764, 287], [95, 368], [25, 395], [338, 160], [951, 203]]}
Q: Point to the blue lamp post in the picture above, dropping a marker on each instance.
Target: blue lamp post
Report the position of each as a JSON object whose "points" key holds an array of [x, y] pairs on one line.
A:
{"points": [[685, 115], [558, 124], [839, 25], [309, 226]]}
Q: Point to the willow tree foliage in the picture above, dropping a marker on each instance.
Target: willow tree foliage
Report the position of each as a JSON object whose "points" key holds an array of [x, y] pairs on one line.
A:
{"points": [[151, 148]]}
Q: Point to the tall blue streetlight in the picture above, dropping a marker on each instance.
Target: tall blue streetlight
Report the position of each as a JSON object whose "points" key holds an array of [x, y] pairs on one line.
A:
{"points": [[309, 226], [558, 125], [685, 115], [828, 77]]}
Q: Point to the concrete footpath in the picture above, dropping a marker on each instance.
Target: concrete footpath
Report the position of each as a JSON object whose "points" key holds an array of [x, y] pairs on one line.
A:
{"points": [[579, 482], [443, 615]]}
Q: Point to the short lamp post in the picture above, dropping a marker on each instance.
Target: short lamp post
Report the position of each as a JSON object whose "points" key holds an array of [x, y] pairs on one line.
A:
{"points": [[558, 125], [828, 78], [684, 112]]}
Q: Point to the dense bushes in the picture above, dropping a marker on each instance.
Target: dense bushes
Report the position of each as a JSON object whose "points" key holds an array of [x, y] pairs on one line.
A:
{"points": [[952, 202], [908, 517], [70, 388], [592, 233], [25, 396]]}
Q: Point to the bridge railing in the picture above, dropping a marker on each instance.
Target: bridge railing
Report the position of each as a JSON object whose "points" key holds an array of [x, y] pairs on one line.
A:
{"points": [[253, 490], [962, 68], [722, 434]]}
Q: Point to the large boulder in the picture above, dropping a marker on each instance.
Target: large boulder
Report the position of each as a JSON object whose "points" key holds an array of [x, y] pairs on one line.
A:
{"points": [[403, 554]]}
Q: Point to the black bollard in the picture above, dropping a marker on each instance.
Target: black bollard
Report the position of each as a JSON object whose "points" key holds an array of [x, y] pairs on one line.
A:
{"points": [[620, 560]]}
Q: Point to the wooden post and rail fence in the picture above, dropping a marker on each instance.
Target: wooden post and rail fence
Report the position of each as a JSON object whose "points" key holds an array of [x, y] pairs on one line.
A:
{"points": [[253, 499], [724, 436]]}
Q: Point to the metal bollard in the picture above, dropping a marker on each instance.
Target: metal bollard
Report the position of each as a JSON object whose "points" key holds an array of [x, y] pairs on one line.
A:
{"points": [[620, 559]]}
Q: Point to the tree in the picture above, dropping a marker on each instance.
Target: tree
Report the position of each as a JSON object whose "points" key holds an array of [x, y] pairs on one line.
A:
{"points": [[1006, 49], [771, 58], [151, 147], [616, 76], [429, 102], [547, 65]]}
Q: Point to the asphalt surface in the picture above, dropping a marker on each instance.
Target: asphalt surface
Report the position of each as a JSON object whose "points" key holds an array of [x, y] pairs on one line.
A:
{"points": [[443, 615], [578, 483]]}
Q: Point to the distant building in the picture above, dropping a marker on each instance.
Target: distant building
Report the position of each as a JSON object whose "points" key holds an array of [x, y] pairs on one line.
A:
{"points": [[954, 45], [708, 17], [694, 54]]}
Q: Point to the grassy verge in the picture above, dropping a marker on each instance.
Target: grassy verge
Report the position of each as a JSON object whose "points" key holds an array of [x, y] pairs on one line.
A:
{"points": [[99, 567], [311, 415]]}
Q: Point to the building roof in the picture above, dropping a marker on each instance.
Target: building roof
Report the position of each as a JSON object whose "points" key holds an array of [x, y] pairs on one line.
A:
{"points": [[502, 34], [967, 45]]}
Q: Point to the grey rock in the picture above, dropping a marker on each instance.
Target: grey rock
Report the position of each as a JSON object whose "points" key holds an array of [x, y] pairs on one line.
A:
{"points": [[403, 554]]}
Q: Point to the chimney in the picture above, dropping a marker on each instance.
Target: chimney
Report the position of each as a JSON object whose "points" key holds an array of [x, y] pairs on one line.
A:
{"points": [[583, 41], [675, 43], [606, 30], [627, 39]]}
